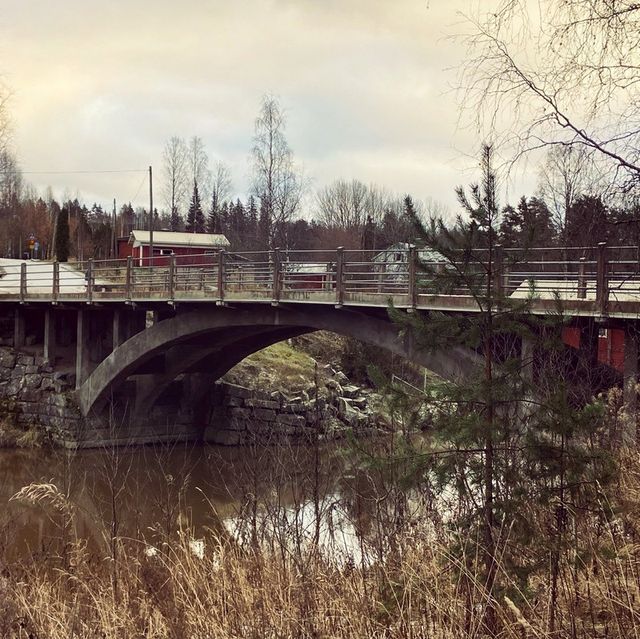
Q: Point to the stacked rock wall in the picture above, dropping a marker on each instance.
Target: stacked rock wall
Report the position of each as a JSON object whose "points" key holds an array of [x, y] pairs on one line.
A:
{"points": [[241, 416], [32, 394]]}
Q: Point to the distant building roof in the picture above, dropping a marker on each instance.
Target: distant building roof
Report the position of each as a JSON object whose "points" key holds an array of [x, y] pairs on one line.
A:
{"points": [[173, 238], [398, 252]]}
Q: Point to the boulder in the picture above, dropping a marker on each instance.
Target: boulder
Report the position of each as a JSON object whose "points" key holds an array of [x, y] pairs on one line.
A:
{"points": [[334, 387], [341, 378], [360, 403], [351, 391], [7, 359], [32, 380]]}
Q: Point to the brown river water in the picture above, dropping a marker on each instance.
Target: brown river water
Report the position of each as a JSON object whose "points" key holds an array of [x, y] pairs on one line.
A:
{"points": [[154, 493]]}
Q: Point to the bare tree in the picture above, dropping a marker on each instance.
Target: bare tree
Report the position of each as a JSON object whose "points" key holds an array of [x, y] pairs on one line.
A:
{"points": [[198, 163], [567, 173], [346, 206], [276, 182], [4, 118], [560, 73], [176, 173], [221, 184], [10, 181]]}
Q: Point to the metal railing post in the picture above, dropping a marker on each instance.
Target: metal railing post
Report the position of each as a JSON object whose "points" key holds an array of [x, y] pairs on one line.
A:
{"points": [[275, 293], [602, 282], [582, 279], [23, 282], [127, 284], [172, 278], [340, 276], [221, 276], [498, 271], [89, 277], [56, 282], [413, 284]]}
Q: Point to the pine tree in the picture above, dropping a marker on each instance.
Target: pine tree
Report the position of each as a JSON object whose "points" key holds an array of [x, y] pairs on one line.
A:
{"points": [[62, 235], [586, 221], [195, 216], [505, 436], [526, 226]]}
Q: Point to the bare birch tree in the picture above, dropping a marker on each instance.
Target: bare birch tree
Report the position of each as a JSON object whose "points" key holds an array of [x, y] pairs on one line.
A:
{"points": [[4, 118], [567, 173], [176, 173], [558, 72], [198, 162], [221, 184], [346, 205], [276, 181]]}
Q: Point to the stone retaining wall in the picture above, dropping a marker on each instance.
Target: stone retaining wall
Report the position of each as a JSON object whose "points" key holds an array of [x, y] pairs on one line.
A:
{"points": [[32, 394], [241, 416]]}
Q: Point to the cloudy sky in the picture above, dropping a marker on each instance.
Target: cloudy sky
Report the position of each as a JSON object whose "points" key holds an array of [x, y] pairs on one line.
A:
{"points": [[366, 85]]}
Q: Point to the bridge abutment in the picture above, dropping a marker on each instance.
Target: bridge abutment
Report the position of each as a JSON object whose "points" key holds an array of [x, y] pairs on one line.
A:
{"points": [[19, 327], [49, 345]]}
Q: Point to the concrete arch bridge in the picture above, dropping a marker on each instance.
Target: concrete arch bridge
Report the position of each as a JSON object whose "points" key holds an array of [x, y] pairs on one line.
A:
{"points": [[211, 340], [126, 330]]}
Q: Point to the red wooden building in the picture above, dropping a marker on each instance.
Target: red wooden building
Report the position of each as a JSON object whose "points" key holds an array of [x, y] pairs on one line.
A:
{"points": [[189, 248], [610, 345]]}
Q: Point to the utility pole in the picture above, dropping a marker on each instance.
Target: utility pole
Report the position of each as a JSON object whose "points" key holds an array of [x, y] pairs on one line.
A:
{"points": [[150, 217], [114, 243]]}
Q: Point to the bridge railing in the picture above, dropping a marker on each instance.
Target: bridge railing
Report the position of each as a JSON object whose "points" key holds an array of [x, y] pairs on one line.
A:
{"points": [[409, 277]]}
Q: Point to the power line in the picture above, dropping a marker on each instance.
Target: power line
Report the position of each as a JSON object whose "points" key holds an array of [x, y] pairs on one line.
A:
{"points": [[144, 179], [18, 171]]}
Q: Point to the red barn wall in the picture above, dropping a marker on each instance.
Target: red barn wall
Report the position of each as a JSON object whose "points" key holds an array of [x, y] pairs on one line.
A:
{"points": [[611, 348], [610, 345], [571, 336]]}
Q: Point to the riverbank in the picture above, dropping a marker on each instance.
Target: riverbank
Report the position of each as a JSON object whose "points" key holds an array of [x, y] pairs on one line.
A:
{"points": [[280, 568]]}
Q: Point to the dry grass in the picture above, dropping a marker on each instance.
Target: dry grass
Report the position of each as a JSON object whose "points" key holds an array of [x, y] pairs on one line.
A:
{"points": [[233, 592], [292, 369], [408, 576], [421, 588]]}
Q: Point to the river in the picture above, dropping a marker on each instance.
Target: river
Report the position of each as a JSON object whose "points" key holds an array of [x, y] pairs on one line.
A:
{"points": [[151, 494]]}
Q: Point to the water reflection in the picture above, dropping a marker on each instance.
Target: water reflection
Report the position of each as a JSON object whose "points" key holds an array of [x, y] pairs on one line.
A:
{"points": [[284, 497]]}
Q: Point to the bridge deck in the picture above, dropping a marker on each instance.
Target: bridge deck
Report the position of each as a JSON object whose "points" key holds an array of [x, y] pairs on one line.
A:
{"points": [[588, 281]]}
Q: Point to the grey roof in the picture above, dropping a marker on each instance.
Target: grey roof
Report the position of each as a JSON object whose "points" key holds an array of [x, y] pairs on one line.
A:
{"points": [[424, 254], [173, 238]]}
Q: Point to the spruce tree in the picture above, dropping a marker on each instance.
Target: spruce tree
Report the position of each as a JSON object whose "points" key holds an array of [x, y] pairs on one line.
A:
{"points": [[252, 224], [264, 226], [62, 235], [224, 218], [195, 216], [213, 219], [175, 222]]}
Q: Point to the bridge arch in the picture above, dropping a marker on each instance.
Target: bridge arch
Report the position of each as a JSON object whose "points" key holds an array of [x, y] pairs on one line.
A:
{"points": [[229, 334]]}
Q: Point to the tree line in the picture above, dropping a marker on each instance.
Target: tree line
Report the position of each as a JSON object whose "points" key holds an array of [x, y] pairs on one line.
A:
{"points": [[572, 205]]}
